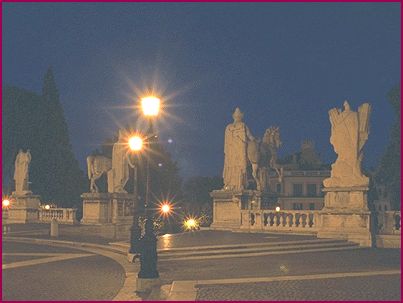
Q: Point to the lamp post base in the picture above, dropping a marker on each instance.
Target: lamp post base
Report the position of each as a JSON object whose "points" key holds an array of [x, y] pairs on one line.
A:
{"points": [[146, 285]]}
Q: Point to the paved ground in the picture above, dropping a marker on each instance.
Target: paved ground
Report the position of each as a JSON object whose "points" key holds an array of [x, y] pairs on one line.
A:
{"points": [[360, 288], [42, 231], [60, 274], [287, 264], [99, 278]]}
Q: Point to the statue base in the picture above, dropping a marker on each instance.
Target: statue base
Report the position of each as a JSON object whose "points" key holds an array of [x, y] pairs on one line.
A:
{"points": [[24, 208], [104, 208], [227, 205], [346, 216], [349, 198]]}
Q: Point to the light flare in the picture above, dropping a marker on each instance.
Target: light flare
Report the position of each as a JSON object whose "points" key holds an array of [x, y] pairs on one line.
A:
{"points": [[135, 143]]}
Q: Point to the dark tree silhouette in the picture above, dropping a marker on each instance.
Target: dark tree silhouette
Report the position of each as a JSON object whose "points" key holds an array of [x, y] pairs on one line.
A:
{"points": [[388, 172], [37, 123]]}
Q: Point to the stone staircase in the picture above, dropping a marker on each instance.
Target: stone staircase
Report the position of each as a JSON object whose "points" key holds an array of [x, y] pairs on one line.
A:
{"points": [[246, 250]]}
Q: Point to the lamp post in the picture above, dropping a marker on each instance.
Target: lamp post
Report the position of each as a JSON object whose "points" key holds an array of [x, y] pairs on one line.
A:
{"points": [[135, 145], [148, 242]]}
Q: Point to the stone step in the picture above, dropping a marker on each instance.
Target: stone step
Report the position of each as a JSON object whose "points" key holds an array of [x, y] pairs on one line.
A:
{"points": [[248, 245], [257, 254], [239, 251], [246, 250]]}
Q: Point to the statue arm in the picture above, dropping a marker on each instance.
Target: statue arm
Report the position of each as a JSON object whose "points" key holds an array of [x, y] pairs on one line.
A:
{"points": [[249, 134], [132, 165]]}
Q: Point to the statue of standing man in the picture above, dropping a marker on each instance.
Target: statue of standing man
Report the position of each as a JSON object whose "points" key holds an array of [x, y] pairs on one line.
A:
{"points": [[237, 136], [119, 174], [349, 133], [21, 172]]}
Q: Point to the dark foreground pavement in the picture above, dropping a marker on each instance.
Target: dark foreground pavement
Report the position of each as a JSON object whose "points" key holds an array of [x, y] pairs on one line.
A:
{"points": [[96, 277], [378, 288], [92, 277]]}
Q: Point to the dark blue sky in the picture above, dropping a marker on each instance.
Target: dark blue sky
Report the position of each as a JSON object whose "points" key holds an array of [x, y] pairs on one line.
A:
{"points": [[282, 64]]}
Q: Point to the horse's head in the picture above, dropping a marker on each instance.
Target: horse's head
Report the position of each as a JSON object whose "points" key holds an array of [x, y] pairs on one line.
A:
{"points": [[272, 136]]}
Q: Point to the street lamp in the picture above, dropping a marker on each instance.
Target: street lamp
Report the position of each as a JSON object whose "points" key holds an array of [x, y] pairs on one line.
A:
{"points": [[191, 223], [150, 106], [135, 145], [166, 209], [147, 244], [6, 203]]}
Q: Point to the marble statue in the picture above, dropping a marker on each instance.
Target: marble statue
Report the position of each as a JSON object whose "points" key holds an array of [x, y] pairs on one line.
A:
{"points": [[119, 174], [21, 172], [237, 137], [97, 165], [349, 133]]}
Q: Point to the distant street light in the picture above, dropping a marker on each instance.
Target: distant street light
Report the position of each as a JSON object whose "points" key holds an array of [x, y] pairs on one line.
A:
{"points": [[277, 208], [166, 208], [6, 203], [47, 206], [191, 223]]}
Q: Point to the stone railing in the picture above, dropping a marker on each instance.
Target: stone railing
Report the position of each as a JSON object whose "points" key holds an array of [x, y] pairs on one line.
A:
{"points": [[304, 221], [62, 215], [4, 213], [389, 223]]}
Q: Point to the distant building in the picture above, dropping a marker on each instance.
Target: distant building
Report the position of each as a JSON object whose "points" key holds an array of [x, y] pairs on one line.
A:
{"points": [[301, 185]]}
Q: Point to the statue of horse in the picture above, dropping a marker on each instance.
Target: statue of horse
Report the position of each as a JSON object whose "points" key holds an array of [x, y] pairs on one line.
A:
{"points": [[272, 142], [263, 155], [97, 165]]}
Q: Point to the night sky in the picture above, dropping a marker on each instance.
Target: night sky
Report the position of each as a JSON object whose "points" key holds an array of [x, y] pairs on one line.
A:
{"points": [[282, 64]]}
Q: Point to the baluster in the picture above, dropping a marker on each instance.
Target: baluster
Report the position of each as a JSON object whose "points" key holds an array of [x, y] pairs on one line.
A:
{"points": [[275, 221], [287, 220], [293, 220], [304, 220]]}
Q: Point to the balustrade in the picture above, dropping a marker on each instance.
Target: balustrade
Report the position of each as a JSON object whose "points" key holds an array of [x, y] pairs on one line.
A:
{"points": [[291, 220], [62, 215]]}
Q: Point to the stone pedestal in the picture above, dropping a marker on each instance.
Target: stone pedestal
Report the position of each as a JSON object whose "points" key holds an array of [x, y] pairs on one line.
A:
{"points": [[24, 208], [227, 206], [345, 215], [226, 210], [102, 208], [123, 205], [97, 208]]}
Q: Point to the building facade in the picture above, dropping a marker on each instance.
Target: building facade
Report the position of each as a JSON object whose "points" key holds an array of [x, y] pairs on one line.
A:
{"points": [[299, 189]]}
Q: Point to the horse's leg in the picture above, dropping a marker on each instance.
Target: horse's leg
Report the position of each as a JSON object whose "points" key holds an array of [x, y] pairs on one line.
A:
{"points": [[95, 177], [92, 184]]}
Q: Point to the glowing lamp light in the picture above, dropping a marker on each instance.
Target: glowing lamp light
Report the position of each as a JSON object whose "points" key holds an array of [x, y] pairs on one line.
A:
{"points": [[191, 224], [150, 106], [6, 203], [277, 208], [166, 208], [135, 143], [47, 206]]}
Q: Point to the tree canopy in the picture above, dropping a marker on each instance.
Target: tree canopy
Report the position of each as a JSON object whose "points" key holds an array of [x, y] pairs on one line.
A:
{"points": [[388, 172], [37, 122]]}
